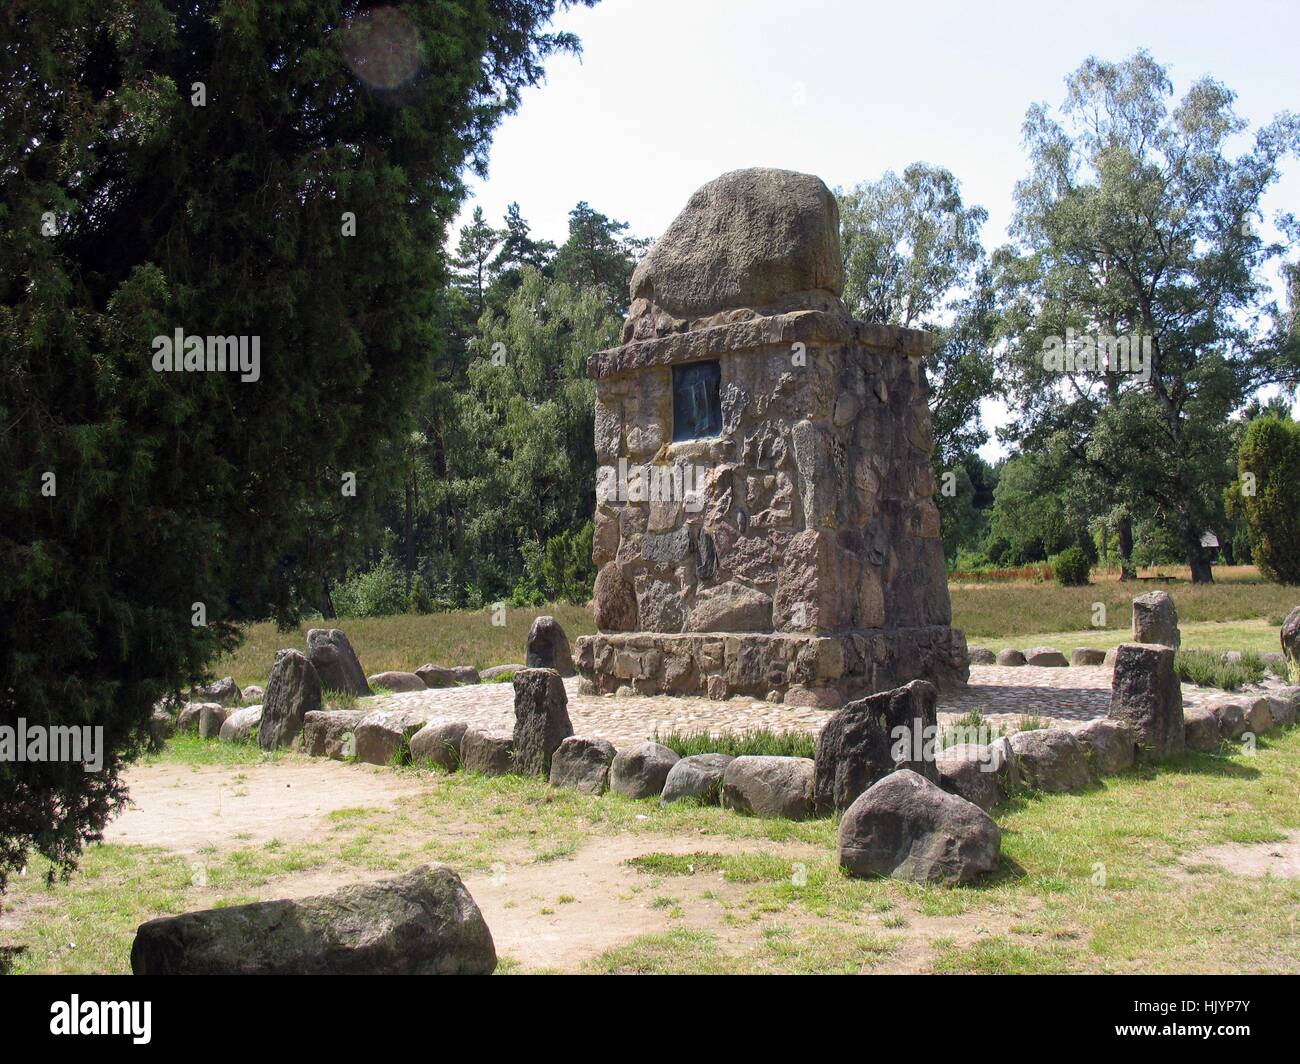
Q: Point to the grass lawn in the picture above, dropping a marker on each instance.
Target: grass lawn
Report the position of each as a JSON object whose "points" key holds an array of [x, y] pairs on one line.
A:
{"points": [[1109, 881]]}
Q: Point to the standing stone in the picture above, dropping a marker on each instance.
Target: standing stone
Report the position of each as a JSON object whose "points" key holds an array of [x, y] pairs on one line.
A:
{"points": [[422, 923], [548, 647], [1051, 760], [541, 720], [906, 827], [162, 725], [769, 787], [292, 691], [872, 737], [583, 764], [1291, 636], [211, 718], [699, 777], [640, 771], [336, 663], [1155, 620], [439, 743], [1146, 695], [224, 692]]}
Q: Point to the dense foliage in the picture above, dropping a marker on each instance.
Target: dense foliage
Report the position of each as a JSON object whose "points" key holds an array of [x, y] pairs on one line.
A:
{"points": [[1267, 493]]}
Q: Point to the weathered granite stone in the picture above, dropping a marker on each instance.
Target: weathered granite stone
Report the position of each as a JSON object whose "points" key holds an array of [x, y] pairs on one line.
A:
{"points": [[252, 693], [1231, 716], [548, 647], [1259, 715], [224, 692], [731, 607], [906, 827], [1010, 656], [336, 662], [1201, 729], [1146, 694], [1087, 656], [240, 725], [187, 719], [970, 772], [1110, 745], [331, 733], [384, 736], [438, 743], [293, 691], [1285, 704], [769, 787], [614, 600], [1155, 620], [1290, 635], [436, 676], [1046, 657], [490, 754], [981, 656], [397, 682], [872, 737], [420, 923], [640, 771], [1051, 760], [211, 718], [698, 777], [541, 720], [582, 764]]}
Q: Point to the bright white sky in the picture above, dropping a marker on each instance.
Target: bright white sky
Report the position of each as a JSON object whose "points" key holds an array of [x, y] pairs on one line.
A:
{"points": [[670, 93]]}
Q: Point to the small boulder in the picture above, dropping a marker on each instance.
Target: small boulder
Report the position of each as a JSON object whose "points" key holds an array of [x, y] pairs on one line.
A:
{"points": [[699, 777], [1231, 716], [422, 923], [240, 725], [252, 693], [384, 736], [1285, 704], [981, 656], [541, 719], [293, 691], [548, 647], [1046, 658], [1051, 760], [769, 787], [437, 676], [1087, 656], [1146, 695], [1110, 745], [1259, 715], [490, 754], [187, 720], [1155, 620], [224, 692], [397, 682], [640, 771], [331, 734], [336, 662], [1010, 656], [582, 764], [1201, 729], [971, 772], [439, 743], [211, 718], [907, 828]]}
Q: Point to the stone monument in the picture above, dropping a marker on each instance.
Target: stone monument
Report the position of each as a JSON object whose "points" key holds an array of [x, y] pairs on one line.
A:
{"points": [[764, 523]]}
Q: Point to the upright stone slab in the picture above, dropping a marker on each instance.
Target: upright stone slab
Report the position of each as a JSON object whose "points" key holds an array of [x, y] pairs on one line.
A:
{"points": [[1155, 620], [1290, 635], [541, 720], [336, 662], [765, 521], [1146, 695], [872, 737], [548, 647], [292, 692]]}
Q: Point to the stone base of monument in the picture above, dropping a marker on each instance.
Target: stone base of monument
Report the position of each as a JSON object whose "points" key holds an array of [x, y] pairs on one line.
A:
{"points": [[801, 669]]}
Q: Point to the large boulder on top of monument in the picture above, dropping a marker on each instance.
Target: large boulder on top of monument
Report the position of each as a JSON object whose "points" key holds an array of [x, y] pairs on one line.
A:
{"points": [[1291, 635], [1051, 760], [548, 647], [872, 737], [906, 827], [698, 777], [336, 662], [750, 238], [541, 720], [583, 764], [292, 692], [641, 770], [770, 787], [422, 923], [1155, 620], [1146, 695]]}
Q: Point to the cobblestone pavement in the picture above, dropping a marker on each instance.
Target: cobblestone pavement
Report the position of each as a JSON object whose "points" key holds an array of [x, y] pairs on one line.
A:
{"points": [[1002, 694]]}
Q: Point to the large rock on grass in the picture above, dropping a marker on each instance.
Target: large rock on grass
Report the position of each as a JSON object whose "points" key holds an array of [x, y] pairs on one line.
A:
{"points": [[1285, 705], [1290, 635], [240, 725], [906, 827], [1155, 620], [548, 647], [1051, 760], [769, 787], [331, 733], [292, 692], [420, 923], [583, 764], [541, 720], [1110, 745], [336, 662], [971, 772], [438, 743], [698, 777], [1201, 729], [489, 753], [872, 737], [640, 771], [1146, 695], [384, 736], [211, 718]]}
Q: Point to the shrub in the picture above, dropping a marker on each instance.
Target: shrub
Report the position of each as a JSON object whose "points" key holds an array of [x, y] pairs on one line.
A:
{"points": [[1072, 567], [757, 742], [1267, 494], [1207, 669], [377, 592]]}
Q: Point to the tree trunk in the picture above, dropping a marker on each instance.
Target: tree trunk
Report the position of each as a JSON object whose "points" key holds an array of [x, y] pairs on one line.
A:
{"points": [[408, 527], [327, 601], [1190, 534], [1127, 570]]}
